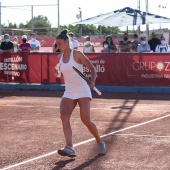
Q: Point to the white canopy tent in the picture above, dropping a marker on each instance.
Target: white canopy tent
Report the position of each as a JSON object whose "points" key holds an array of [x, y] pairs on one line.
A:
{"points": [[125, 17]]}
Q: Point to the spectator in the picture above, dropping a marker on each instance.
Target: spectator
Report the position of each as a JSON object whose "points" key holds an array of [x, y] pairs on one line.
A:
{"points": [[24, 46], [73, 43], [55, 47], [88, 48], [35, 44], [16, 45], [7, 45], [111, 45], [163, 47], [105, 47], [125, 45], [143, 47], [154, 42], [134, 43]]}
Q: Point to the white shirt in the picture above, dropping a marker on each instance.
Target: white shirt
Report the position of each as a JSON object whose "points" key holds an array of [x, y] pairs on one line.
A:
{"points": [[162, 48], [34, 44], [88, 49], [74, 44]]}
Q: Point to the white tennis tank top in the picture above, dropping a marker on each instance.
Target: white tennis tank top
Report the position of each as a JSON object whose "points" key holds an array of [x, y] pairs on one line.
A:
{"points": [[88, 49], [75, 86]]}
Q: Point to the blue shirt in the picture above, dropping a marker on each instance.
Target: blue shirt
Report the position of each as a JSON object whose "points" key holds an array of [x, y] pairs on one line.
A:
{"points": [[143, 48]]}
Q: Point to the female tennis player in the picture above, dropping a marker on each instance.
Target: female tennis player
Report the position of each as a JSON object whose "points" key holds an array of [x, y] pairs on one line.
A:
{"points": [[76, 92]]}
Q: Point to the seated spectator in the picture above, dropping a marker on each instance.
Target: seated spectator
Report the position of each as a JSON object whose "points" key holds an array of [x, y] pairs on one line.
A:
{"points": [[105, 47], [73, 43], [55, 48], [143, 47], [35, 44], [88, 48], [163, 47], [111, 45], [7, 45], [134, 43], [16, 45], [24, 46], [125, 45]]}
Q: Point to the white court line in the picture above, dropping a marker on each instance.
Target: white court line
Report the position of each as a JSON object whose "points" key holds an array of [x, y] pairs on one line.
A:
{"points": [[95, 108], [114, 109], [134, 135], [11, 105], [86, 141]]}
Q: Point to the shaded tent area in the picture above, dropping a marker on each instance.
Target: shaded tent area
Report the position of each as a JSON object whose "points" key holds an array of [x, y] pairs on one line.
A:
{"points": [[125, 17]]}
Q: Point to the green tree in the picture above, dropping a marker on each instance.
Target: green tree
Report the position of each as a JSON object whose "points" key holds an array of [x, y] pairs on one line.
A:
{"points": [[41, 25]]}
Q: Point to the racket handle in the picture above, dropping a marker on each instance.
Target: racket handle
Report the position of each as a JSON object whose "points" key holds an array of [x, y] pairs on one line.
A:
{"points": [[97, 91], [59, 73]]}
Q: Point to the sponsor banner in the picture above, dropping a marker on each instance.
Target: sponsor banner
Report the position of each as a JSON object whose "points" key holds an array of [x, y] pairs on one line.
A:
{"points": [[112, 68], [149, 69], [22, 68]]}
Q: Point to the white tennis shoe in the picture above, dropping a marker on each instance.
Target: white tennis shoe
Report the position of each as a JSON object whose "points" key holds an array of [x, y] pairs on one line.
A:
{"points": [[67, 151]]}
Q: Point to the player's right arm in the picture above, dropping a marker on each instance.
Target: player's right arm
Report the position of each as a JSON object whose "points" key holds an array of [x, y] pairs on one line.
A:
{"points": [[55, 70]]}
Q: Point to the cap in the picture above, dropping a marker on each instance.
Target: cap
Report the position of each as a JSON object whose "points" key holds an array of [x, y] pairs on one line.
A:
{"points": [[6, 35], [87, 37], [143, 38], [135, 35], [24, 36], [70, 33]]}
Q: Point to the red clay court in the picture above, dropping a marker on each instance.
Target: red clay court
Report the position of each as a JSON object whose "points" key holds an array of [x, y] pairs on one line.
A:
{"points": [[135, 127]]}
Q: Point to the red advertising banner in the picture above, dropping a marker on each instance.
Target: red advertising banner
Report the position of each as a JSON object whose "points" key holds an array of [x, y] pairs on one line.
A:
{"points": [[152, 69], [149, 69], [22, 68]]}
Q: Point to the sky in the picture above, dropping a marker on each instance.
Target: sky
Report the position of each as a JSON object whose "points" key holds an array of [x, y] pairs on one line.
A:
{"points": [[69, 9]]}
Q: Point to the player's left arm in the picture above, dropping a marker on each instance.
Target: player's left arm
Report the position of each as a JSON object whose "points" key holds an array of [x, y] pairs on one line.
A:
{"points": [[82, 59]]}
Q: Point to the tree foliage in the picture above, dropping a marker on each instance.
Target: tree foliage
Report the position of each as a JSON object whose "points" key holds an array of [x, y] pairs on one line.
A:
{"points": [[42, 27]]}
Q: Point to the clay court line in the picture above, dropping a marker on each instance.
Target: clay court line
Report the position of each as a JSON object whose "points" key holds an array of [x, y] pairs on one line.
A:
{"points": [[86, 141]]}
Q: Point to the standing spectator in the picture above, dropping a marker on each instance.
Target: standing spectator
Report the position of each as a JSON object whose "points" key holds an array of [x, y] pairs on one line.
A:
{"points": [[16, 45], [73, 43], [35, 44], [154, 42], [7, 45], [134, 43], [88, 48], [163, 47], [143, 47], [111, 45], [55, 47], [24, 46], [125, 45]]}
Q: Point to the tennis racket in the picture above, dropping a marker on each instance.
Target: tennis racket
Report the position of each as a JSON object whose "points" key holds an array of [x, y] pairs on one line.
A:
{"points": [[87, 80]]}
